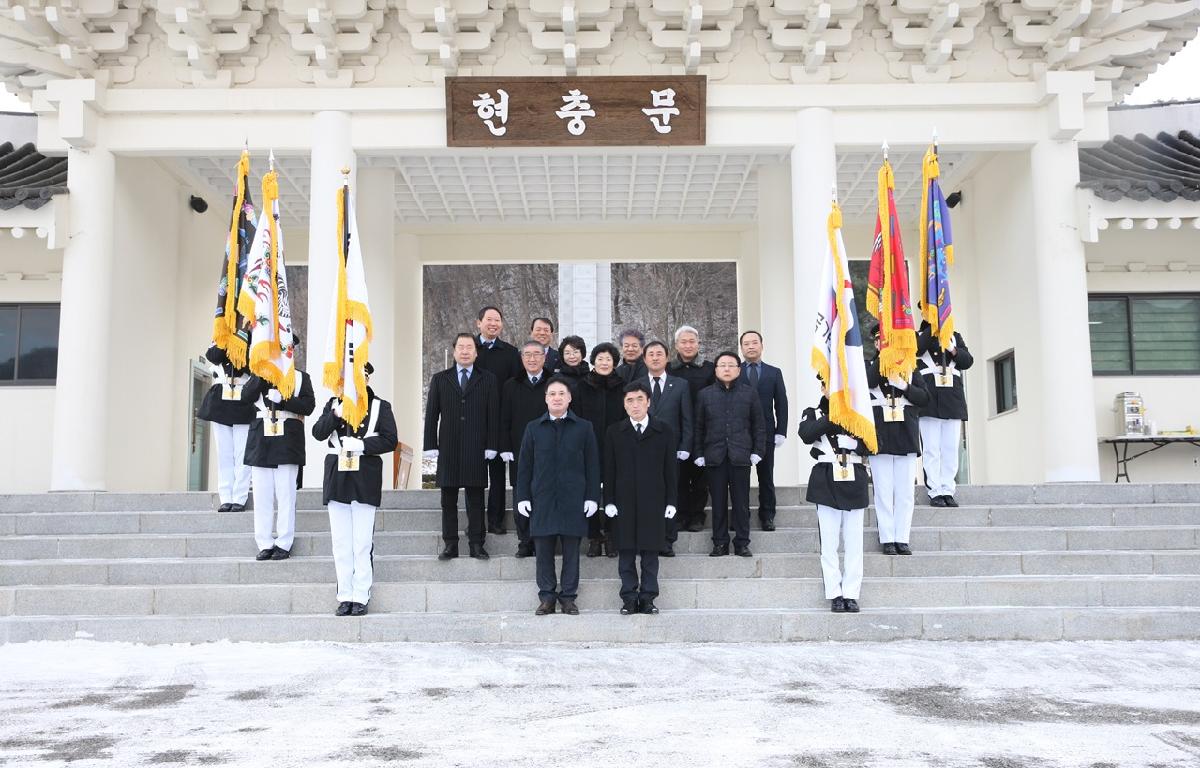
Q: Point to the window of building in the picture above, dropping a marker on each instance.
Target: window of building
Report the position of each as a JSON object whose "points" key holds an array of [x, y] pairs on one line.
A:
{"points": [[1004, 373], [28, 343], [1145, 334]]}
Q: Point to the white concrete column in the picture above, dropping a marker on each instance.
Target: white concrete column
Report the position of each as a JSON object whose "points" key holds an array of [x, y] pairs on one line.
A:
{"points": [[375, 205], [814, 172], [585, 301], [407, 333], [1068, 439], [776, 294], [331, 152], [81, 407]]}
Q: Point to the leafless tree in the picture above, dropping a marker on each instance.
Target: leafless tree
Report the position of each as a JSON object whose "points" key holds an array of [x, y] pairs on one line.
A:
{"points": [[659, 297]]}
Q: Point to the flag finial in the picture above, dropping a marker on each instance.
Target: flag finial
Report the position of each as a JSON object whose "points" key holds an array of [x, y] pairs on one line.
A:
{"points": [[833, 191], [935, 140], [885, 149], [271, 160], [346, 171]]}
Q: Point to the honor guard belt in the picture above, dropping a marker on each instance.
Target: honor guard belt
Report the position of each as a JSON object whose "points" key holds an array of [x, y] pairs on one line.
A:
{"points": [[264, 412], [879, 401], [830, 456], [335, 441], [930, 368], [222, 378]]}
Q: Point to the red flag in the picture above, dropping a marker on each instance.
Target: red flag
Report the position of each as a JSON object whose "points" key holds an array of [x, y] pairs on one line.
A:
{"points": [[887, 286]]}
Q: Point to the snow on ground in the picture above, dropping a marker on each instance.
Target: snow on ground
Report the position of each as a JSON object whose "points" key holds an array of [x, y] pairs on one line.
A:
{"points": [[995, 705]]}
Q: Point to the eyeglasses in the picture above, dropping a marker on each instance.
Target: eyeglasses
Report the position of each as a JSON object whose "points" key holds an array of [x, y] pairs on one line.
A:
{"points": [[533, 354]]}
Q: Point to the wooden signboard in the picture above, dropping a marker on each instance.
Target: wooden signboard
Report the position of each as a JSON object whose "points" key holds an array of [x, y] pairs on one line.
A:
{"points": [[575, 111]]}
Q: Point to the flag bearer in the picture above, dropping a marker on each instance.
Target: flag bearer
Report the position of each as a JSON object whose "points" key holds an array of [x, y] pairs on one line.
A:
{"points": [[838, 486], [275, 452], [942, 417], [230, 417], [352, 490], [895, 401]]}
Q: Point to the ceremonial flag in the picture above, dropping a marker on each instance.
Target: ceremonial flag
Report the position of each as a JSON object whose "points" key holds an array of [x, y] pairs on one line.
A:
{"points": [[230, 328], [264, 298], [887, 286], [837, 353], [350, 319], [937, 253]]}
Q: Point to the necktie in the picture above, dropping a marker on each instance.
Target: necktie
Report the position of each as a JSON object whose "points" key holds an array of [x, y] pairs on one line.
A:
{"points": [[534, 381], [639, 429], [462, 378], [754, 374], [657, 391]]}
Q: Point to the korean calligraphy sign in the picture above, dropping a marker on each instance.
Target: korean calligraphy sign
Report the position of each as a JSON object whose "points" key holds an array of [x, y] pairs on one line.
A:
{"points": [[575, 111]]}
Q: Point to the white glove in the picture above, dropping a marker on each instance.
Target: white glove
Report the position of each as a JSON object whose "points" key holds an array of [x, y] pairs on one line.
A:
{"points": [[337, 408], [682, 455], [699, 462], [352, 444], [670, 512], [274, 396], [431, 454], [523, 508], [489, 455], [847, 442], [590, 508], [507, 456], [779, 440], [610, 510], [754, 459], [897, 382]]}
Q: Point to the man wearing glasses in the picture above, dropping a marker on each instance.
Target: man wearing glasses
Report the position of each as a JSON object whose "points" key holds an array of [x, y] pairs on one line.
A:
{"points": [[523, 401]]}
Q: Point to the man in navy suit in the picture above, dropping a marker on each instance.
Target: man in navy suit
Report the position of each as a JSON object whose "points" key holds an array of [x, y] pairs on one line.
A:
{"points": [[773, 393], [670, 403]]}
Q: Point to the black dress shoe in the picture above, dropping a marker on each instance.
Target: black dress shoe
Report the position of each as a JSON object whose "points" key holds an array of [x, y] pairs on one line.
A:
{"points": [[224, 507], [525, 549], [544, 607], [479, 553], [449, 553], [888, 549], [950, 502], [264, 554], [610, 549], [595, 548], [768, 525], [719, 550], [629, 608], [280, 554], [838, 605], [569, 607], [742, 551], [343, 608], [497, 530], [851, 606], [694, 527], [938, 501], [358, 609], [903, 549], [649, 608], [236, 508], [668, 552]]}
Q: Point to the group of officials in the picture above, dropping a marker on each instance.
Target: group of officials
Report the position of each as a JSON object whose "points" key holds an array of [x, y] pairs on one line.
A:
{"points": [[624, 446]]}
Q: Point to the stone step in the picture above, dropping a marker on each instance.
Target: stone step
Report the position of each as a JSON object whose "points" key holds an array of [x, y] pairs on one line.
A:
{"points": [[487, 596], [978, 495], [595, 625], [955, 538], [319, 570], [207, 521]]}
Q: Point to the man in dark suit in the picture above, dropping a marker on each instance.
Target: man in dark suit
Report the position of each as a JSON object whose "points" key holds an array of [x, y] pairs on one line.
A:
{"points": [[522, 401], [640, 482], [631, 342], [541, 330], [773, 393], [462, 424], [671, 403], [502, 360], [699, 373]]}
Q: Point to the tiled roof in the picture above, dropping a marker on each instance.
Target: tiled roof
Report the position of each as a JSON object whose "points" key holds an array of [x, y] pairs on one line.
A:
{"points": [[29, 178], [1166, 167]]}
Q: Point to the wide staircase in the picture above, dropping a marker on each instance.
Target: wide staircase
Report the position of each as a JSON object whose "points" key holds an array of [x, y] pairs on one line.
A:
{"points": [[1076, 562]]}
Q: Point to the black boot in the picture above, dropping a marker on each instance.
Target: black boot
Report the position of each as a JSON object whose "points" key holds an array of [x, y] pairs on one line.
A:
{"points": [[610, 549], [888, 549], [450, 552], [838, 605], [525, 549], [903, 549], [478, 552], [595, 547]]}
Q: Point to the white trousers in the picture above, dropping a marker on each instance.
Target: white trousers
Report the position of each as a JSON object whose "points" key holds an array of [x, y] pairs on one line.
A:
{"points": [[845, 524], [275, 487], [940, 439], [893, 477], [352, 529], [233, 476]]}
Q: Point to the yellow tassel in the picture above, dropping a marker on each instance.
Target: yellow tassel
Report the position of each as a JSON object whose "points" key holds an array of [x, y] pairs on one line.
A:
{"points": [[334, 376], [225, 327]]}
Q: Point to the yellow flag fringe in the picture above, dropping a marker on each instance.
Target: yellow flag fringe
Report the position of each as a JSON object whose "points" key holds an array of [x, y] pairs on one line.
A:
{"points": [[261, 354], [225, 327], [930, 170], [353, 411], [898, 346]]}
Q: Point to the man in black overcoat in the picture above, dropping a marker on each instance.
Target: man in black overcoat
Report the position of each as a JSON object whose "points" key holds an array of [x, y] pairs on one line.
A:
{"points": [[558, 488], [503, 361], [699, 373], [462, 425], [522, 400], [641, 477], [670, 402]]}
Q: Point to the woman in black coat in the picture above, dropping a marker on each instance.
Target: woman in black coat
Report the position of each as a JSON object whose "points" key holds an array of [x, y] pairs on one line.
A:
{"points": [[838, 486], [601, 400], [572, 363]]}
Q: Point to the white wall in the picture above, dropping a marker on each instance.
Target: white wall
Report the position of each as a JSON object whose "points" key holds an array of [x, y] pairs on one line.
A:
{"points": [[1171, 401], [29, 272]]}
